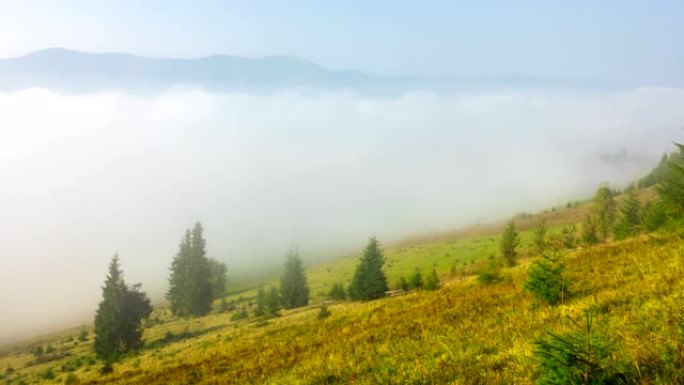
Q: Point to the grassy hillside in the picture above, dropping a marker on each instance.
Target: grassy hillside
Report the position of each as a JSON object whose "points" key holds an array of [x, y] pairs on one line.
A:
{"points": [[465, 333]]}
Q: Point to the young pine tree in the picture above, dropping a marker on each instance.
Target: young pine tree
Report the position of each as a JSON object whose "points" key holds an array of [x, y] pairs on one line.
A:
{"points": [[369, 281], [416, 280], [546, 280], [629, 223], [604, 211], [540, 236], [273, 302], [190, 286], [403, 284], [294, 290], [218, 278], [260, 309], [589, 234], [337, 292], [432, 281], [509, 242]]}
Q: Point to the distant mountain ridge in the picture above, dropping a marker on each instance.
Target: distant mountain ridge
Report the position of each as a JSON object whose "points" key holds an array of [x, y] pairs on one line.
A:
{"points": [[74, 71]]}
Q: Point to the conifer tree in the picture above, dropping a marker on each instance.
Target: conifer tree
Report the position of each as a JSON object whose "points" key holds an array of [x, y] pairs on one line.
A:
{"points": [[432, 281], [369, 281], [589, 235], [294, 290], [337, 292], [509, 242], [629, 223], [118, 318], [416, 280], [108, 345], [604, 212], [403, 284], [190, 287], [273, 302], [218, 278], [546, 279], [540, 236], [671, 189], [260, 309]]}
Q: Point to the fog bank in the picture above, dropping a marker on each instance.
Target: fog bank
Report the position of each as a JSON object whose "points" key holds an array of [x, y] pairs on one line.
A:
{"points": [[86, 176]]}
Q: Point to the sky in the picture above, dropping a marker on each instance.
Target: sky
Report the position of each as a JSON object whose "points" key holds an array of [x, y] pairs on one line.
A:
{"points": [[637, 42], [88, 175]]}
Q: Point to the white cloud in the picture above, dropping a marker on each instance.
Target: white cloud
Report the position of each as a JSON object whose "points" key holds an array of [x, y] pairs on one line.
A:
{"points": [[87, 175]]}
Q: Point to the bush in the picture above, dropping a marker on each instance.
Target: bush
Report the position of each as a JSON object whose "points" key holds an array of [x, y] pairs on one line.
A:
{"points": [[239, 315], [416, 280], [490, 275], [324, 312], [546, 280], [72, 379], [47, 374], [432, 282], [581, 356]]}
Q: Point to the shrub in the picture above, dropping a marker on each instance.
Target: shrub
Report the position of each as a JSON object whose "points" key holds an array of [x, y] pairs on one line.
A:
{"points": [[546, 280], [416, 280], [239, 315], [581, 356], [324, 312], [432, 281], [47, 374], [72, 379]]}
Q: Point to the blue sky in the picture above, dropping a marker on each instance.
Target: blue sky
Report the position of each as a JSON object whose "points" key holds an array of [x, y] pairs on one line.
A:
{"points": [[636, 41]]}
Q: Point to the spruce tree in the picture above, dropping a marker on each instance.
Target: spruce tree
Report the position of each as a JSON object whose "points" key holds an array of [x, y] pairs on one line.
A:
{"points": [[260, 309], [629, 223], [416, 280], [540, 236], [190, 286], [294, 290], [589, 234], [509, 242], [432, 281], [337, 292], [369, 281], [118, 318], [604, 212], [671, 189], [218, 278], [546, 279], [108, 339], [273, 302]]}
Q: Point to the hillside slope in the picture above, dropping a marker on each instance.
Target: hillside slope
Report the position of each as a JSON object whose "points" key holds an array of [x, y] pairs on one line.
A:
{"points": [[465, 333]]}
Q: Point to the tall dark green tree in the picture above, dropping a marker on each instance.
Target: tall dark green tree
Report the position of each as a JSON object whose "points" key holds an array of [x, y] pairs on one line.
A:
{"points": [[294, 289], [671, 189], [118, 320], [108, 340], [369, 281], [604, 210], [218, 278], [190, 286], [509, 243]]}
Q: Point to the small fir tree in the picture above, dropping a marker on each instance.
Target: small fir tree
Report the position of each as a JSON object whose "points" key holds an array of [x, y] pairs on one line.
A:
{"points": [[337, 292], [294, 289], [369, 281], [509, 243], [432, 281], [546, 280], [604, 211], [540, 236], [273, 302], [416, 280]]}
